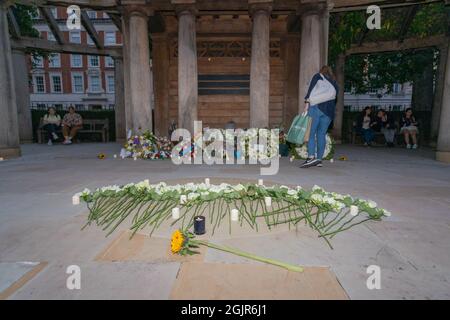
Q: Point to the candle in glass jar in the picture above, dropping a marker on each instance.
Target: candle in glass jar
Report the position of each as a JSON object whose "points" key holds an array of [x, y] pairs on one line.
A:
{"points": [[176, 213], [207, 182], [76, 200], [260, 182], [183, 199], [268, 201], [199, 225], [234, 215]]}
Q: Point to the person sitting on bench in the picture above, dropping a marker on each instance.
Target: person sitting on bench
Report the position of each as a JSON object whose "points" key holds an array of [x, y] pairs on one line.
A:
{"points": [[408, 126], [72, 122], [51, 123], [386, 125]]}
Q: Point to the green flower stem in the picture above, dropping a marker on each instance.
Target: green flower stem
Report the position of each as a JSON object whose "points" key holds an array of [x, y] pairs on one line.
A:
{"points": [[289, 267]]}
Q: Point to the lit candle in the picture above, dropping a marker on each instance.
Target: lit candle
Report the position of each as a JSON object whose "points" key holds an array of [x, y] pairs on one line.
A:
{"points": [[115, 156], [234, 214], [268, 201], [176, 213], [354, 210], [76, 200], [260, 182], [207, 182], [183, 199]]}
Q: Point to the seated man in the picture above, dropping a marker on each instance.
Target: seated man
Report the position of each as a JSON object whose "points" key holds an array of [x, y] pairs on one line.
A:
{"points": [[72, 122]]}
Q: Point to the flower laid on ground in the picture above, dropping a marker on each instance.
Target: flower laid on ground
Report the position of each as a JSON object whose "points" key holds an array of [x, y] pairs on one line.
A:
{"points": [[184, 243], [301, 152], [147, 146], [150, 205], [101, 156], [343, 158]]}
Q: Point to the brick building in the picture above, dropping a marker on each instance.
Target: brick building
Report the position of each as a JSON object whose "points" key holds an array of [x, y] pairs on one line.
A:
{"points": [[84, 81]]}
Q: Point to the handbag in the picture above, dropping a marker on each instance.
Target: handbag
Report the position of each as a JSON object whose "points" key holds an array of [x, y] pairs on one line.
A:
{"points": [[323, 91], [299, 131]]}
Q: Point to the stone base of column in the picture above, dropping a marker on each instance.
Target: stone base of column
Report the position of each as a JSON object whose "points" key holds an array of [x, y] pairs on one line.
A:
{"points": [[8, 153], [443, 156]]}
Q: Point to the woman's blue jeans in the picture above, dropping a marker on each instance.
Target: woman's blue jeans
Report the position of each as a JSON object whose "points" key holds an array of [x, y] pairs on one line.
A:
{"points": [[368, 135], [317, 136]]}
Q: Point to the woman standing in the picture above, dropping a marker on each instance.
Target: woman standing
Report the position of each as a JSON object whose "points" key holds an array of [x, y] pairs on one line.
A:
{"points": [[365, 124], [50, 123], [320, 103]]}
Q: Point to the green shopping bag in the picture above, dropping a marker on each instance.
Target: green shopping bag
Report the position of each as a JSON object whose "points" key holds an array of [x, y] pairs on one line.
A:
{"points": [[299, 131]]}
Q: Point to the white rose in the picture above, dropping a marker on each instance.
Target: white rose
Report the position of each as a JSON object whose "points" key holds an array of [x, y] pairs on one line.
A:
{"points": [[354, 210], [372, 204]]}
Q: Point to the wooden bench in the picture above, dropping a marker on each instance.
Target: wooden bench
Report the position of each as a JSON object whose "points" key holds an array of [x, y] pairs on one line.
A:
{"points": [[378, 135], [90, 126]]}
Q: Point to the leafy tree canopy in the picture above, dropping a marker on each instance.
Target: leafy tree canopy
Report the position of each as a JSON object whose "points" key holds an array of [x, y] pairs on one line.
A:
{"points": [[382, 70]]}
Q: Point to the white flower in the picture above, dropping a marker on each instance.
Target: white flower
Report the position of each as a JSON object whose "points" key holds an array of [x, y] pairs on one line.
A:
{"points": [[386, 213], [317, 198], [292, 192], [372, 204], [316, 188], [183, 199], [354, 210], [193, 196], [85, 192]]}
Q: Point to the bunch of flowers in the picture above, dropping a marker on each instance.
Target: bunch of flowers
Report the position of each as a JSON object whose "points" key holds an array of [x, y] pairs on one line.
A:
{"points": [[301, 152], [151, 204], [147, 146], [184, 243]]}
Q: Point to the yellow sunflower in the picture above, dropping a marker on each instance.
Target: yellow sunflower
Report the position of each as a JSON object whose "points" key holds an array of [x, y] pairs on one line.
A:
{"points": [[177, 241]]}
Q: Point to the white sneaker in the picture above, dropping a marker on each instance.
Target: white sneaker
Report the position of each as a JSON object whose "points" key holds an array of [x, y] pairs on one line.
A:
{"points": [[414, 146], [55, 136], [50, 143], [67, 142], [408, 146]]}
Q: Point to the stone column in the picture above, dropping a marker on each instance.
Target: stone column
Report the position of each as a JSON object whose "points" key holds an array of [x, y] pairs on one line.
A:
{"points": [[9, 127], [126, 71], [291, 51], [339, 114], [141, 90], [21, 78], [160, 60], [187, 68], [119, 108], [312, 46], [260, 63], [438, 92], [443, 143]]}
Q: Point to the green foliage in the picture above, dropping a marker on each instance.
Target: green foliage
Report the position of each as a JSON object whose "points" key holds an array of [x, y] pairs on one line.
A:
{"points": [[385, 69]]}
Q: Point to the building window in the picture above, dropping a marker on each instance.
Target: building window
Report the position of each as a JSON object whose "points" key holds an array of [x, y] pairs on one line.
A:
{"points": [[397, 88], [77, 83], [92, 14], [56, 84], [54, 12], [109, 62], [39, 84], [54, 61], [79, 107], [50, 36], [94, 84], [110, 38], [76, 60], [37, 61], [94, 61], [110, 85], [75, 36]]}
